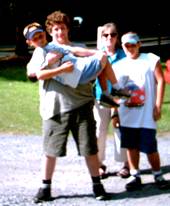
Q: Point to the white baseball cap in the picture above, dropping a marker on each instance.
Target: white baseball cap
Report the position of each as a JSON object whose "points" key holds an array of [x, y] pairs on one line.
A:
{"points": [[131, 38]]}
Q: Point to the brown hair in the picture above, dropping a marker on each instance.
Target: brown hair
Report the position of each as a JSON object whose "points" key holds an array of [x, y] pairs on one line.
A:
{"points": [[56, 17], [113, 27]]}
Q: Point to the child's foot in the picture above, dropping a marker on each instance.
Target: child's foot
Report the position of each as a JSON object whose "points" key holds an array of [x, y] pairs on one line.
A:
{"points": [[161, 182], [121, 93], [102, 171], [99, 192], [107, 101], [43, 195], [134, 183], [124, 172]]}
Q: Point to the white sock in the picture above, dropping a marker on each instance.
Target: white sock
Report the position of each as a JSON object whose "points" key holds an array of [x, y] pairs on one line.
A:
{"points": [[116, 86], [134, 172], [44, 186], [157, 173]]}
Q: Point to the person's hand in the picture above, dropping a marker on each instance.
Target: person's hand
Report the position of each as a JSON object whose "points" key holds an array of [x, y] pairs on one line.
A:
{"points": [[32, 77], [115, 122], [53, 57], [68, 66], [156, 113]]}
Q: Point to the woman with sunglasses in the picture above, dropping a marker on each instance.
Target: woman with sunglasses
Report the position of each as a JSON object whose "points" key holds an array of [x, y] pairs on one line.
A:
{"points": [[109, 42]]}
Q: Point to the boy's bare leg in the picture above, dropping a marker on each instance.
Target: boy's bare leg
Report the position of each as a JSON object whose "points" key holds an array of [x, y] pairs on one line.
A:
{"points": [[107, 73], [154, 161], [103, 81], [133, 158], [106, 99], [44, 192], [93, 165], [48, 166]]}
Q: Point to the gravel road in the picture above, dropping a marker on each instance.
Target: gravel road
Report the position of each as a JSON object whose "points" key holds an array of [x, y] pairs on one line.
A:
{"points": [[20, 176]]}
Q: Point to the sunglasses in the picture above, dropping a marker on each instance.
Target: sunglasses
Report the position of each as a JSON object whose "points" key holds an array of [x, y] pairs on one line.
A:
{"points": [[37, 37], [130, 45], [114, 34]]}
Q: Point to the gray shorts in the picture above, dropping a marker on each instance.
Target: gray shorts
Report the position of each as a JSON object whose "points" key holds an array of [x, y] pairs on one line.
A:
{"points": [[82, 125]]}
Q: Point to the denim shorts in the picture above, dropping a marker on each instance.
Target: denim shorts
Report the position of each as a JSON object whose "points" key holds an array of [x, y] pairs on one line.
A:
{"points": [[80, 122], [92, 68], [143, 139]]}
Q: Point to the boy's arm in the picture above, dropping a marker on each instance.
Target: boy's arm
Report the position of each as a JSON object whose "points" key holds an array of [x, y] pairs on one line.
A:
{"points": [[50, 73], [37, 67], [160, 88], [82, 52], [36, 62]]}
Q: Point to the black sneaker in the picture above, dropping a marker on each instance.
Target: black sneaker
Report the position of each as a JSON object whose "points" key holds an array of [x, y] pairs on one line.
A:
{"points": [[161, 182], [44, 194], [134, 183], [107, 101], [120, 93], [99, 192]]}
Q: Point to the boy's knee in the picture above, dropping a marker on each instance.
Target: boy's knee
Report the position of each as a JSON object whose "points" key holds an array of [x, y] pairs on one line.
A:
{"points": [[102, 58]]}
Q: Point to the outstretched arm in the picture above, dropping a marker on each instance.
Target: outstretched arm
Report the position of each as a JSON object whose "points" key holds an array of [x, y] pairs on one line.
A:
{"points": [[82, 52], [159, 91]]}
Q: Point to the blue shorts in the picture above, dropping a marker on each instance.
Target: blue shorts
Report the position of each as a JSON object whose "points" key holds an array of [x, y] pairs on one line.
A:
{"points": [[143, 139], [92, 68]]}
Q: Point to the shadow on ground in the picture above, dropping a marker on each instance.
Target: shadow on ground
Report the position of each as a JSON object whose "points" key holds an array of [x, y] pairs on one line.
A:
{"points": [[165, 169], [13, 67], [147, 190]]}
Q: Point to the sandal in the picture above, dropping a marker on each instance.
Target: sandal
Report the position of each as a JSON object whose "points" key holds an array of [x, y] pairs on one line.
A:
{"points": [[124, 172], [102, 171]]}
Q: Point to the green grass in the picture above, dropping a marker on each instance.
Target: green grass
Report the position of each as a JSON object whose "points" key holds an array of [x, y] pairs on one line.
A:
{"points": [[19, 104], [164, 122]]}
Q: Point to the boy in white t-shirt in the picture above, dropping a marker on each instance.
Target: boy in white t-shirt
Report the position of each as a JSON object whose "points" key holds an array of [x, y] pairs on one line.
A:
{"points": [[138, 114], [94, 63]]}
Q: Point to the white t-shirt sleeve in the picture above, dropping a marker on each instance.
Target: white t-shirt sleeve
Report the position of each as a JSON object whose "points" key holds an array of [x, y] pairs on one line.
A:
{"points": [[36, 62]]}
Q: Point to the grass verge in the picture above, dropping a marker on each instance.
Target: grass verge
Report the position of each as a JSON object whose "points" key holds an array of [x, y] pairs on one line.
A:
{"points": [[19, 103]]}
